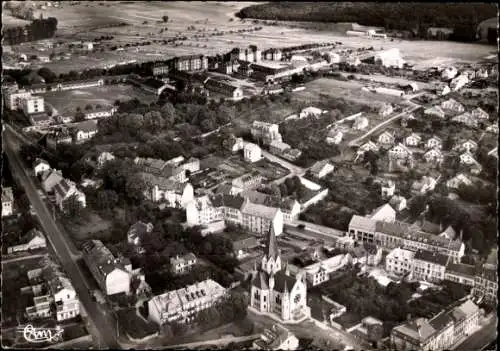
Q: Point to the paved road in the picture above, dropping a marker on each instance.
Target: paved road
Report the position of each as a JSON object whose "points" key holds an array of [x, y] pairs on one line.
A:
{"points": [[10, 260], [59, 241], [210, 343], [480, 339], [382, 125]]}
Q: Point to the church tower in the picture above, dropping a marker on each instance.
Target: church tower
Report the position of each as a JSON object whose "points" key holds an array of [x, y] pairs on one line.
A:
{"points": [[271, 262]]}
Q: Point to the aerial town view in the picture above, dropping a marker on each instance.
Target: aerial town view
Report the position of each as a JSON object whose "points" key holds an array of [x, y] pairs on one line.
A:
{"points": [[249, 175]]}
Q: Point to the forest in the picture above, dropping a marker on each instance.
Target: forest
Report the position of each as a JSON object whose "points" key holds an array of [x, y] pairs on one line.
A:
{"points": [[417, 17], [36, 30]]}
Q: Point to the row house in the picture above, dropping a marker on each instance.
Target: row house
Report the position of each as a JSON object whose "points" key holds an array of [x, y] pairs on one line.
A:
{"points": [[172, 193], [191, 63], [398, 234], [184, 304], [265, 132], [439, 333], [259, 219], [429, 266], [272, 54], [113, 275], [181, 264], [250, 54], [460, 273], [289, 207], [202, 211], [453, 106], [100, 112], [467, 119], [80, 84], [399, 261], [486, 284]]}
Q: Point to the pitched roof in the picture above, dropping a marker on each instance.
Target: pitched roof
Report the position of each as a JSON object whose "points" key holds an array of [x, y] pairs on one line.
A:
{"points": [[271, 249], [63, 187], [39, 161], [154, 83], [259, 210], [163, 183], [283, 282], [418, 329], [225, 200], [363, 223], [440, 321], [318, 166], [85, 126], [7, 195], [432, 257], [461, 269], [261, 280]]}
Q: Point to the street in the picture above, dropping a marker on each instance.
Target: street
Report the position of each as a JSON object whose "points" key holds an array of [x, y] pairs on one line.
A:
{"points": [[480, 339], [60, 243]]}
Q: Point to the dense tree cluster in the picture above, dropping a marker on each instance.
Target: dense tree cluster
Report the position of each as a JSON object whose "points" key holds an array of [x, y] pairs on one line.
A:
{"points": [[37, 30], [417, 17]]}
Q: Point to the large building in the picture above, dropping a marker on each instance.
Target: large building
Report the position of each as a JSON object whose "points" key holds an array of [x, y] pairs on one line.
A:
{"points": [[250, 54], [65, 191], [395, 234], [486, 284], [172, 193], [191, 63], [113, 275], [274, 291], [183, 304], [439, 333], [265, 132], [7, 201], [32, 105]]}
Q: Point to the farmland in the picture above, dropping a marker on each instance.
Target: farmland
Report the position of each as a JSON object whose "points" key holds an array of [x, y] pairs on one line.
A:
{"points": [[66, 102], [208, 29]]}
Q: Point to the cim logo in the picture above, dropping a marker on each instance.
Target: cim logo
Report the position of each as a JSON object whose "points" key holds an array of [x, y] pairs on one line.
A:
{"points": [[39, 335]]}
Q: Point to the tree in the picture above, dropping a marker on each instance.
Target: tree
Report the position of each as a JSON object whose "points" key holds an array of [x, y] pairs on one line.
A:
{"points": [[79, 116], [165, 19], [47, 75], [88, 107]]}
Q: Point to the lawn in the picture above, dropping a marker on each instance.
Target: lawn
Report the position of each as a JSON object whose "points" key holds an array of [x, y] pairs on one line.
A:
{"points": [[134, 326], [94, 227], [66, 102]]}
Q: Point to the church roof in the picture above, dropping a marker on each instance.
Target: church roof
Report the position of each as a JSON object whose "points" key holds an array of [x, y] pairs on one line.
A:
{"points": [[271, 250], [261, 280], [283, 282]]}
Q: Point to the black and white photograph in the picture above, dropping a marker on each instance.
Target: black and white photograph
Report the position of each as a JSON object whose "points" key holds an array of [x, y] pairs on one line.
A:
{"points": [[266, 175]]}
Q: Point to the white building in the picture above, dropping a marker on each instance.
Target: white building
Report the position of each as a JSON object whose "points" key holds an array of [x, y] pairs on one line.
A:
{"points": [[468, 145], [259, 218], [100, 113], [467, 158], [49, 179], [66, 190], [265, 132], [480, 114], [429, 266], [400, 152], [277, 338], [164, 190], [202, 211], [434, 156], [459, 179], [183, 304], [434, 142], [399, 261], [310, 111], [334, 137], [113, 275], [398, 203], [458, 82], [435, 111], [360, 123], [7, 201], [384, 213], [136, 233], [32, 240], [182, 264], [84, 130], [390, 58], [14, 99], [386, 138], [453, 106], [387, 188], [32, 104], [321, 168], [252, 152], [424, 185], [449, 73], [40, 166], [385, 110]]}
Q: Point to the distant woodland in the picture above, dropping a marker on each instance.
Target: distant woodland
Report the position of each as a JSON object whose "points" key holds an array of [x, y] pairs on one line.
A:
{"points": [[417, 17], [36, 30]]}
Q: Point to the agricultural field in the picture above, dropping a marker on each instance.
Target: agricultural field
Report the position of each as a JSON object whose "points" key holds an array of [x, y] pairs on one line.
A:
{"points": [[210, 29], [66, 102]]}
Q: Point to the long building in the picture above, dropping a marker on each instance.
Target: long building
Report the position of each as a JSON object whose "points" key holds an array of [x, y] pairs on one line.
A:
{"points": [[391, 235], [183, 304]]}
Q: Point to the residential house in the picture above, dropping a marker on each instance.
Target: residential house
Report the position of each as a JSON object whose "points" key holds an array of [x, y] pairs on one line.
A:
{"points": [[170, 192], [368, 146], [278, 147], [458, 180], [434, 156], [479, 114], [13, 99], [39, 166], [334, 137], [460, 273], [383, 213], [434, 142], [112, 274], [467, 119], [169, 170], [183, 304], [429, 266], [435, 111], [160, 69], [400, 152], [252, 152], [366, 254], [492, 128], [136, 233], [103, 158], [84, 130], [466, 319], [192, 165], [265, 132], [493, 153], [360, 123], [398, 203], [413, 140], [50, 178], [385, 110], [292, 154], [247, 181], [202, 212], [386, 138], [66, 190], [7, 201], [486, 284], [101, 112], [272, 54], [468, 145], [234, 144], [387, 188], [449, 73], [453, 106], [182, 264], [224, 88], [32, 240], [319, 272], [458, 82], [467, 158], [321, 168], [277, 338], [424, 185], [399, 261], [310, 111], [62, 136]]}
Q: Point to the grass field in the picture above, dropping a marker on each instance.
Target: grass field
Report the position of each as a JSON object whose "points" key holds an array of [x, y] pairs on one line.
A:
{"points": [[87, 20], [65, 102]]}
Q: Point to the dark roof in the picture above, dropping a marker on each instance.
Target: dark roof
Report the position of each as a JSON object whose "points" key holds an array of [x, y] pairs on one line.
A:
{"points": [[432, 257], [219, 84], [462, 269], [283, 282], [85, 126], [488, 273], [62, 187], [40, 116], [228, 201], [271, 250], [153, 83], [261, 280], [440, 321]]}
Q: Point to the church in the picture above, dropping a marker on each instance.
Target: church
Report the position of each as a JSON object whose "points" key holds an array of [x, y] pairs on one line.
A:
{"points": [[274, 291]]}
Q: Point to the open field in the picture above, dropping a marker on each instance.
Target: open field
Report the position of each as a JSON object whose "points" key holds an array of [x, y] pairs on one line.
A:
{"points": [[88, 20], [11, 21], [65, 102]]}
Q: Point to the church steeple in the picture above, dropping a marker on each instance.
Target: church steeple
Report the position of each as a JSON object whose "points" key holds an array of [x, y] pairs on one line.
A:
{"points": [[271, 262]]}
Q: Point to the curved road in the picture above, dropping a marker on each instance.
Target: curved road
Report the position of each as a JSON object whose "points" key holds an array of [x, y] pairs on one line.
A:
{"points": [[59, 241]]}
